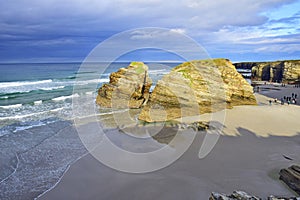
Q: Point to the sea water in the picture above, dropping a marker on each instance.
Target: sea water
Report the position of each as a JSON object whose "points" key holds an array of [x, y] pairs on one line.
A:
{"points": [[36, 94]]}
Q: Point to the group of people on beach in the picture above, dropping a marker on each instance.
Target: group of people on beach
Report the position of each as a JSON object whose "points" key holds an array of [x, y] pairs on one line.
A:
{"points": [[297, 85], [286, 99]]}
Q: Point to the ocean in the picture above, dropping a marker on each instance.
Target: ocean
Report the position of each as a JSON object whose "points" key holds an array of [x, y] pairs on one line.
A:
{"points": [[37, 94]]}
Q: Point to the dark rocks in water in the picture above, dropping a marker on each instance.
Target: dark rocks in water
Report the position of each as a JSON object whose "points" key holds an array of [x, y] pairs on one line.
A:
{"points": [[196, 126], [236, 195], [291, 177], [240, 195], [283, 198], [288, 158]]}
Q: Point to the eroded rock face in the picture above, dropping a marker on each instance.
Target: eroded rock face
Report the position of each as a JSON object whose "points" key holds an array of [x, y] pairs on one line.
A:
{"points": [[197, 87], [279, 71], [127, 88], [291, 176], [291, 71]]}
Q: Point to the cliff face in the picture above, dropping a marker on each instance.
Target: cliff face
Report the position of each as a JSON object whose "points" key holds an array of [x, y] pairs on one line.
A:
{"points": [[197, 87], [127, 88], [291, 71], [279, 71]]}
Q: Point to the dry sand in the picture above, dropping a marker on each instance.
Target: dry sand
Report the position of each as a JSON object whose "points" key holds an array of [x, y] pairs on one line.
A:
{"points": [[263, 120], [248, 156]]}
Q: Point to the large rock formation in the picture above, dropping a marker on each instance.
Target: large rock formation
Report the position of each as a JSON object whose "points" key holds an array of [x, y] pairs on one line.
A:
{"points": [[197, 87], [291, 71], [127, 88], [291, 176], [278, 71]]}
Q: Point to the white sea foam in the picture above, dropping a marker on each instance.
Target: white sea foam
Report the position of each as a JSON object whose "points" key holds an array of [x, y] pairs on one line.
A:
{"points": [[62, 98], [38, 102], [18, 117], [244, 70], [22, 83], [152, 88], [56, 109], [46, 85], [101, 114], [85, 82], [246, 74], [26, 86], [51, 88], [11, 106], [104, 80], [22, 128]]}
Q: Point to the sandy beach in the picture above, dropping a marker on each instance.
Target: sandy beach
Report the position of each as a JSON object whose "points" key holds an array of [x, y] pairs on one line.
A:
{"points": [[248, 156], [245, 162]]}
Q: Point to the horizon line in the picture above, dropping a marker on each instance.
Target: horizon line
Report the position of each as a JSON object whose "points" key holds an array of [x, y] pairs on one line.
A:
{"points": [[128, 61]]}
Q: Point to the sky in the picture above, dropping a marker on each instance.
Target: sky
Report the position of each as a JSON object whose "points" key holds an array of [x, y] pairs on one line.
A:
{"points": [[68, 30]]}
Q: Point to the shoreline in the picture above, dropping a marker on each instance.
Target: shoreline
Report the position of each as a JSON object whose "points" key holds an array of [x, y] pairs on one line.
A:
{"points": [[253, 169], [237, 133]]}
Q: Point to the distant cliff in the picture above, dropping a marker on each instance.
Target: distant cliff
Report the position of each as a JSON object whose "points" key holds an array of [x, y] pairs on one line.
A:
{"points": [[279, 71]]}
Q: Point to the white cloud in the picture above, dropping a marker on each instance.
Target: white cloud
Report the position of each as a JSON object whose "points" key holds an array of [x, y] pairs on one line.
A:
{"points": [[275, 48], [156, 33], [181, 13], [218, 24], [178, 30]]}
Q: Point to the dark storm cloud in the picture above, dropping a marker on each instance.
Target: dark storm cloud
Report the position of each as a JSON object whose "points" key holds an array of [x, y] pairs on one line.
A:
{"points": [[35, 29]]}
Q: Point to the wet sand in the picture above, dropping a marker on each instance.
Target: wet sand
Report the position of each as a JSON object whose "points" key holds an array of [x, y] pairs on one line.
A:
{"points": [[33, 160], [245, 162], [247, 156]]}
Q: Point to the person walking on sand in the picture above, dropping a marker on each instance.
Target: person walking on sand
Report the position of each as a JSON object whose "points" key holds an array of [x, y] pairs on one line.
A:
{"points": [[282, 101], [270, 102]]}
